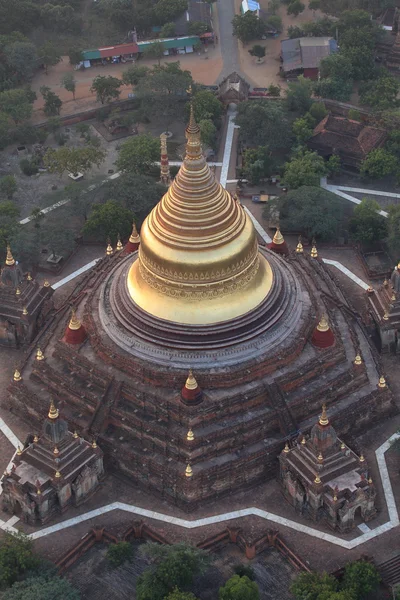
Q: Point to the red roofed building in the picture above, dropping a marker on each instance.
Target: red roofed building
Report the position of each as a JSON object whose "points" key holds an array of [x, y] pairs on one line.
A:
{"points": [[351, 140]]}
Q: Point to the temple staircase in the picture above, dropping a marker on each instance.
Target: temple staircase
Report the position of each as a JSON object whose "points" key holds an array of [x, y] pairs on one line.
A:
{"points": [[278, 403]]}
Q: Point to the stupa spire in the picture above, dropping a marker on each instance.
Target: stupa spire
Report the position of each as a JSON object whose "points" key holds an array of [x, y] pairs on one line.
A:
{"points": [[53, 411], [10, 261], [278, 243], [193, 144], [75, 332], [322, 336], [134, 240], [323, 420], [165, 177], [191, 391]]}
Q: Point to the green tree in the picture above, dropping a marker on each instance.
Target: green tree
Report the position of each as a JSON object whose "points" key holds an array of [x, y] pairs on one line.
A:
{"points": [[52, 102], [16, 557], [17, 104], [257, 164], [119, 553], [176, 594], [380, 93], [168, 30], [305, 168], [302, 129], [312, 210], [354, 115], [262, 123], [248, 27], [134, 74], [367, 226], [139, 193], [274, 90], [73, 160], [309, 586], [68, 82], [167, 10], [138, 154], [273, 6], [75, 56], [318, 111], [314, 4], [8, 186], [208, 133], [207, 106], [239, 588], [379, 163], [295, 8], [275, 22], [334, 164], [155, 51], [258, 51], [106, 88], [336, 66], [49, 55], [21, 58], [336, 89], [5, 130], [394, 228], [9, 226], [361, 577], [42, 588], [197, 28], [161, 91], [173, 566], [108, 219], [298, 95]]}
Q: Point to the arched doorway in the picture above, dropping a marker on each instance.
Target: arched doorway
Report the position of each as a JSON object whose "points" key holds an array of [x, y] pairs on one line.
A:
{"points": [[17, 508]]}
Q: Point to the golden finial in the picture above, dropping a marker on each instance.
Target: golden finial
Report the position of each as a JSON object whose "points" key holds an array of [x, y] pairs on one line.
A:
{"points": [[343, 446], [278, 237], [19, 451], [190, 435], [191, 383], [56, 450], [17, 292], [370, 481], [165, 175], [304, 441], [361, 459], [382, 382], [317, 480], [299, 247], [385, 316], [17, 375], [9, 258], [75, 435], [370, 290], [38, 492], [39, 354], [119, 244], [57, 475], [29, 277], [320, 458], [335, 498], [323, 420], [46, 283], [323, 324], [109, 250], [53, 411], [314, 251], [286, 448], [393, 298], [94, 445], [24, 311], [188, 471], [35, 439], [358, 359], [398, 265], [74, 322], [134, 238]]}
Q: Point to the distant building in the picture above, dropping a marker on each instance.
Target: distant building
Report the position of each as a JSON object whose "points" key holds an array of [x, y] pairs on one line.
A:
{"points": [[233, 89], [251, 5], [351, 140], [197, 12], [384, 308], [303, 55]]}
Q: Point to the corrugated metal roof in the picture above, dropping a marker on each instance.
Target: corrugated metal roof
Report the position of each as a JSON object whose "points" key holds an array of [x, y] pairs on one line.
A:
{"points": [[121, 49], [250, 5], [171, 42], [91, 54], [306, 52]]}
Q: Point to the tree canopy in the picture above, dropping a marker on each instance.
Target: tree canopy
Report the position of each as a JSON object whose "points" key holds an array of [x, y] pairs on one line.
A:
{"points": [[257, 164], [138, 154], [380, 93], [106, 88], [304, 168], [108, 220], [73, 160], [248, 27], [313, 211], [379, 163], [264, 123], [298, 95], [49, 55], [167, 10], [16, 557], [139, 193], [42, 588], [239, 588]]}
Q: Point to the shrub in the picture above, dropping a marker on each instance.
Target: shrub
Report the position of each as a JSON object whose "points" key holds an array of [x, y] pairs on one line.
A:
{"points": [[28, 167], [318, 111], [117, 554], [245, 571]]}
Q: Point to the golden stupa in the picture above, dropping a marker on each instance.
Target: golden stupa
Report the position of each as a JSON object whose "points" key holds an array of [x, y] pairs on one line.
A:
{"points": [[198, 259]]}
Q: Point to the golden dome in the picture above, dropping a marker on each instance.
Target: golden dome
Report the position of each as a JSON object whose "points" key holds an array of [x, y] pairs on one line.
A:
{"points": [[198, 259]]}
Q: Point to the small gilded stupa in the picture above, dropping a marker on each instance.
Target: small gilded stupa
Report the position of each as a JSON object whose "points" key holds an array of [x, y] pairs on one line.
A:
{"points": [[199, 261]]}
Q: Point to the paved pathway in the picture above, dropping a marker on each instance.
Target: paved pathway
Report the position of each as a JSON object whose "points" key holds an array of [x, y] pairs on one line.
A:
{"points": [[338, 190], [347, 272], [229, 44], [228, 147]]}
